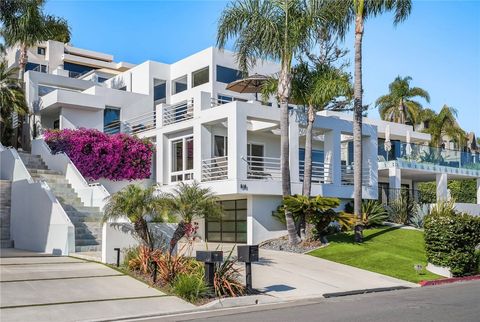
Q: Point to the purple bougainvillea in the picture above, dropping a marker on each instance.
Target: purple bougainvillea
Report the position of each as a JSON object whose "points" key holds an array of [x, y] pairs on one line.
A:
{"points": [[99, 155]]}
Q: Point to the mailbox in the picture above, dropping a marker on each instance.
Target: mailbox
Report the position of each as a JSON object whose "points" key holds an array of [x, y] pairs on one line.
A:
{"points": [[209, 256], [248, 253]]}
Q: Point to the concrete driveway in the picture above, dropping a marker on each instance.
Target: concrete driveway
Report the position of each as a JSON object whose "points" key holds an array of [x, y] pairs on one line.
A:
{"points": [[35, 287]]}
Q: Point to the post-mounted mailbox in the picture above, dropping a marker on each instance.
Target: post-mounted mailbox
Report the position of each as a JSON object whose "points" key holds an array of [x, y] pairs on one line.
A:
{"points": [[209, 258], [247, 253]]}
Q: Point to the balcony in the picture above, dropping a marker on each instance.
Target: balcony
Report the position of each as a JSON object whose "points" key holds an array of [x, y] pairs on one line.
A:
{"points": [[321, 172], [140, 124], [215, 169], [177, 113], [427, 155], [347, 175]]}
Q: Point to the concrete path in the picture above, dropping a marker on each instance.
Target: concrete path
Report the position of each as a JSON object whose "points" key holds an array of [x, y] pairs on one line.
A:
{"points": [[36, 287]]}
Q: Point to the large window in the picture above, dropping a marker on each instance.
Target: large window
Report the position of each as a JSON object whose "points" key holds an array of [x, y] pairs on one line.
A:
{"points": [[182, 159], [200, 76], [36, 67], [159, 90], [232, 226], [179, 85], [220, 146], [228, 75], [76, 70], [111, 120]]}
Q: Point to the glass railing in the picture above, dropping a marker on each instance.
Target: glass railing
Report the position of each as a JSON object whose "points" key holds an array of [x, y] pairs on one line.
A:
{"points": [[429, 155]]}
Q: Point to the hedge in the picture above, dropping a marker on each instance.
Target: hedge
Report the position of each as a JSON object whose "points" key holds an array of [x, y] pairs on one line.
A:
{"points": [[99, 155], [451, 238]]}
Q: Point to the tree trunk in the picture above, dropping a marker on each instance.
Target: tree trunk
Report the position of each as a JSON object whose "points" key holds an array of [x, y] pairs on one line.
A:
{"points": [[284, 87], [20, 129], [357, 129], [307, 169], [22, 62], [177, 235]]}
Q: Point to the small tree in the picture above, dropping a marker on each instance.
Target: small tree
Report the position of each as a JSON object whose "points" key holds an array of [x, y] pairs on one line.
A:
{"points": [[189, 202], [137, 204]]}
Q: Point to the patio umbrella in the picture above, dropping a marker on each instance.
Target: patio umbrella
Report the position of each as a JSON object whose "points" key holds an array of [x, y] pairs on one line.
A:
{"points": [[408, 147], [250, 84], [387, 145]]}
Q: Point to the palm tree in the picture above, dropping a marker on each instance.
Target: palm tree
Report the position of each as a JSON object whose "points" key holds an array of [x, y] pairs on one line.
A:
{"points": [[398, 105], [278, 30], [25, 25], [443, 124], [12, 100], [357, 11], [188, 202], [137, 204]]}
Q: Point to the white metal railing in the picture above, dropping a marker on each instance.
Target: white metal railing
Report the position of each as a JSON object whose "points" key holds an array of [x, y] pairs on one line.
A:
{"points": [[321, 172], [215, 101], [178, 113], [141, 123], [112, 128], [263, 168], [215, 169], [347, 174]]}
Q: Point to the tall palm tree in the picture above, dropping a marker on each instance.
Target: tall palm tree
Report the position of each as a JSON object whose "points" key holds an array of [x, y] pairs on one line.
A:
{"points": [[398, 105], [12, 100], [25, 25], [188, 202], [357, 11], [138, 205], [443, 124], [278, 30]]}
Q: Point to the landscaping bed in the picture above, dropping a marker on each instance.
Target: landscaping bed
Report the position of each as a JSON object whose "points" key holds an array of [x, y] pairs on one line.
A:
{"points": [[282, 244], [386, 250]]}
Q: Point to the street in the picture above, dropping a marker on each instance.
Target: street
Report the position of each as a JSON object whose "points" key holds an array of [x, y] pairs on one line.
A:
{"points": [[452, 302]]}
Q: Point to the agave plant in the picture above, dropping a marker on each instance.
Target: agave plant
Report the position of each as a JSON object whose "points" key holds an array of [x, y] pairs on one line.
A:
{"points": [[418, 217], [373, 213]]}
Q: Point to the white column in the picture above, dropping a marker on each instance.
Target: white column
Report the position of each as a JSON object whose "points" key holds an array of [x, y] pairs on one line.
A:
{"points": [[332, 156], [161, 151], [442, 189], [202, 148], [478, 191], [394, 182], [293, 149], [237, 145]]}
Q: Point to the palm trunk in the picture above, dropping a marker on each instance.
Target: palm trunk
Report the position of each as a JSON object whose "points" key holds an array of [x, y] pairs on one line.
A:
{"points": [[307, 170], [284, 86], [357, 129], [22, 62], [19, 130]]}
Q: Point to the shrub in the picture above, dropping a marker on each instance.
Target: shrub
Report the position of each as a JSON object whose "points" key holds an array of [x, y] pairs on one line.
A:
{"points": [[451, 238], [99, 155], [190, 287], [401, 209], [226, 279], [373, 213]]}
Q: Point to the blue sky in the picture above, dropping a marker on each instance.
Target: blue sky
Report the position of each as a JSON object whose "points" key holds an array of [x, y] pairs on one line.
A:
{"points": [[438, 46]]}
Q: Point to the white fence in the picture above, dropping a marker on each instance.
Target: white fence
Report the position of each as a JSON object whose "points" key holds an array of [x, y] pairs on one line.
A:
{"points": [[178, 113], [215, 169]]}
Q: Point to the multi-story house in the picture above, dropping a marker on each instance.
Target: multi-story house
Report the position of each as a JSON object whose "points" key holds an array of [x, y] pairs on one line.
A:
{"points": [[225, 140]]}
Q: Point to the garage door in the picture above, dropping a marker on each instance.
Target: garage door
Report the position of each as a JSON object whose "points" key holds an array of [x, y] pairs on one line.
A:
{"points": [[232, 226]]}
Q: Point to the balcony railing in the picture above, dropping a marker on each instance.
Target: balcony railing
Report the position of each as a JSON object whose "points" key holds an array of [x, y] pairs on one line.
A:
{"points": [[347, 174], [429, 155], [215, 169], [321, 172], [139, 124], [178, 113], [113, 127], [263, 168]]}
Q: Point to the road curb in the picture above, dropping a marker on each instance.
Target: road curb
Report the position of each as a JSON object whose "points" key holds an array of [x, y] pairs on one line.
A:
{"points": [[365, 291], [450, 280]]}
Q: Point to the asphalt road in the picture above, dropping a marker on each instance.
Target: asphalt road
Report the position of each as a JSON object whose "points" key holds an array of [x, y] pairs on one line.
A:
{"points": [[452, 302]]}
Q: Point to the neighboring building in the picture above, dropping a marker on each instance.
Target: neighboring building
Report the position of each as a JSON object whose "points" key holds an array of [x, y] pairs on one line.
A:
{"points": [[225, 140]]}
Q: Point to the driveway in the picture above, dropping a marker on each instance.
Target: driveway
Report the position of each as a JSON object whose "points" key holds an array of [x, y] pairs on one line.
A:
{"points": [[35, 287]]}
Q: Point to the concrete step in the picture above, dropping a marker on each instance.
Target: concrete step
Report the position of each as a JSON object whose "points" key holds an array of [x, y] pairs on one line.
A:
{"points": [[44, 172], [87, 242], [90, 248]]}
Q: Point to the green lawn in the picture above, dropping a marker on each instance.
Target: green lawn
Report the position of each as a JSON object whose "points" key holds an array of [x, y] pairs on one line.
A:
{"points": [[387, 250]]}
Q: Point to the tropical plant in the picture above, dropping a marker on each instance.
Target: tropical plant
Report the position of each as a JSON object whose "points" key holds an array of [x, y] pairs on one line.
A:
{"points": [[24, 24], [190, 287], [99, 155], [226, 278], [278, 30], [374, 214], [12, 101], [399, 105], [170, 266], [401, 209], [346, 12], [418, 217], [443, 124], [189, 202], [138, 205]]}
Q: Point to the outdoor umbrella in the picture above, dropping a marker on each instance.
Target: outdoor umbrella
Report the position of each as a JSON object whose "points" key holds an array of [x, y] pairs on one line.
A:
{"points": [[250, 84], [408, 147], [387, 144]]}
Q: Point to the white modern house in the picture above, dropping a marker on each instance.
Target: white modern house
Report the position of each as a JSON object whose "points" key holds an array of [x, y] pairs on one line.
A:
{"points": [[225, 140]]}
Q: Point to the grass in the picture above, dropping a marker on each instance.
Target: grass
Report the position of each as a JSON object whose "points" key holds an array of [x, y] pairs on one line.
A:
{"points": [[386, 250]]}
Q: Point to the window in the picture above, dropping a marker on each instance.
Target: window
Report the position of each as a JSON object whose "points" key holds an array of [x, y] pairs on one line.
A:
{"points": [[200, 76], [41, 51], [56, 124], [179, 85], [255, 160], [76, 70], [182, 159], [232, 226], [101, 79], [228, 75], [159, 90], [36, 67], [220, 146], [111, 120], [224, 99], [44, 90], [317, 157]]}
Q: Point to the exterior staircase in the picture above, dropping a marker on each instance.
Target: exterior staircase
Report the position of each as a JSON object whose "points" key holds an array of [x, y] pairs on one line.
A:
{"points": [[87, 220], [5, 200]]}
